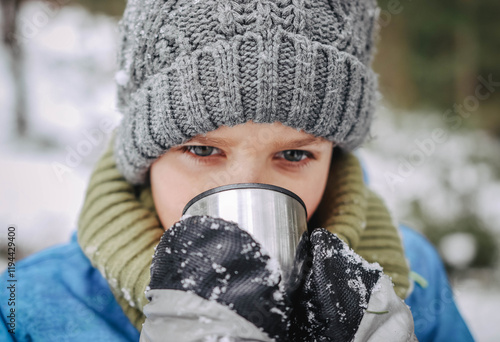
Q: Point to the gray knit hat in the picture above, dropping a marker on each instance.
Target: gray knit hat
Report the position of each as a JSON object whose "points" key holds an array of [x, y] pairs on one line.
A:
{"points": [[187, 67]]}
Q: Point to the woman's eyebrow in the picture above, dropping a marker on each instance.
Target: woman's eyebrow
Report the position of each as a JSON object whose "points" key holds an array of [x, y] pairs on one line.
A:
{"points": [[209, 141], [282, 143], [295, 143]]}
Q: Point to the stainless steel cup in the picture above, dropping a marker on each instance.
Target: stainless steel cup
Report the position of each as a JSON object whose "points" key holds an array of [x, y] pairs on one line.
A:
{"points": [[274, 216]]}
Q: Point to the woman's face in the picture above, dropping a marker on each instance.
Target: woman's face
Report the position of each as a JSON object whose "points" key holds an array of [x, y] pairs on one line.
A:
{"points": [[248, 153]]}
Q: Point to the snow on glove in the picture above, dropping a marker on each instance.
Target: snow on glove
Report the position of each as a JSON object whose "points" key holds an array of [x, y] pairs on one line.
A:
{"points": [[341, 297], [211, 281]]}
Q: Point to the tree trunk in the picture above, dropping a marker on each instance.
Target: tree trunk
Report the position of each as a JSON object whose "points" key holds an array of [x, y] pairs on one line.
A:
{"points": [[466, 52], [10, 10]]}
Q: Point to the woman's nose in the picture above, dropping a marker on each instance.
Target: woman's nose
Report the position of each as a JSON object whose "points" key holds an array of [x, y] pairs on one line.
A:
{"points": [[250, 173], [247, 171]]}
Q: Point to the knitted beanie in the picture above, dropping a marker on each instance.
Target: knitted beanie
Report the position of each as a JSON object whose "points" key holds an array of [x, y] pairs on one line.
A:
{"points": [[187, 67]]}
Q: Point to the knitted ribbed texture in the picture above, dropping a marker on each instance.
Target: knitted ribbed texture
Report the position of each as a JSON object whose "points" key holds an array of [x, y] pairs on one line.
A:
{"points": [[360, 218], [379, 243], [118, 232], [342, 210], [188, 67], [118, 228]]}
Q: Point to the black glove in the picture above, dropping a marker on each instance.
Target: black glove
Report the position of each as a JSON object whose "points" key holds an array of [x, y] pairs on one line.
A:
{"points": [[214, 271], [338, 296]]}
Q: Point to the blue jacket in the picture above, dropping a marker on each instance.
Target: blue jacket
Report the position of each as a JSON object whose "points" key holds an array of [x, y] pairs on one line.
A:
{"points": [[59, 296]]}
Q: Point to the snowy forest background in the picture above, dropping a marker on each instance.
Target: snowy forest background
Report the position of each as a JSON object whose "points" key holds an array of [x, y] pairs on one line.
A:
{"points": [[434, 156]]}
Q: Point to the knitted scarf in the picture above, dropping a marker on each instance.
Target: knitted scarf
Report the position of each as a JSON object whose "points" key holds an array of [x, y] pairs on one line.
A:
{"points": [[118, 228]]}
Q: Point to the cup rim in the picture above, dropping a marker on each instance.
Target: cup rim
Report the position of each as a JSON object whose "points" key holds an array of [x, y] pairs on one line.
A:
{"points": [[244, 186]]}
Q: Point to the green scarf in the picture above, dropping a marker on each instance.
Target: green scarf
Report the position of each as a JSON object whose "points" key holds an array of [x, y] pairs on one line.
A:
{"points": [[118, 228]]}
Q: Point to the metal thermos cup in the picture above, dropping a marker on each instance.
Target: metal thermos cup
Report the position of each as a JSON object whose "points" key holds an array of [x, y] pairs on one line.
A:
{"points": [[275, 217]]}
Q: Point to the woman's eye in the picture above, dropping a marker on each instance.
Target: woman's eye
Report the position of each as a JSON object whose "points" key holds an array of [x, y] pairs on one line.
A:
{"points": [[202, 151], [295, 155]]}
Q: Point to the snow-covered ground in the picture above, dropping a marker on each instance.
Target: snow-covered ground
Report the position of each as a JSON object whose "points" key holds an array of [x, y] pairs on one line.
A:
{"points": [[69, 68], [478, 302]]}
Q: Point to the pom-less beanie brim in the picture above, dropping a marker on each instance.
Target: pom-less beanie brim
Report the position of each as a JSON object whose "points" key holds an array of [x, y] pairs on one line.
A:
{"points": [[290, 79], [187, 67]]}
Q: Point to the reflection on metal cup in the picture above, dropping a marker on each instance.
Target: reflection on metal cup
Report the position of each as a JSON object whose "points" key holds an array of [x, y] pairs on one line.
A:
{"points": [[274, 216]]}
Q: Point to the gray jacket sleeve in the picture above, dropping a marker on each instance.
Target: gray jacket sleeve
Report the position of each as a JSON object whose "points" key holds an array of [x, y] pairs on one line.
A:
{"points": [[387, 317], [178, 316]]}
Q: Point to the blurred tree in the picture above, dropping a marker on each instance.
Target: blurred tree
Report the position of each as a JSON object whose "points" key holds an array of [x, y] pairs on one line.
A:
{"points": [[9, 10], [112, 8], [10, 39], [432, 52]]}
